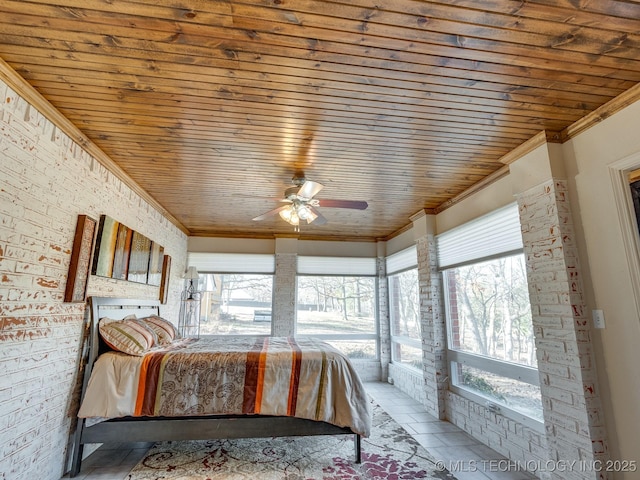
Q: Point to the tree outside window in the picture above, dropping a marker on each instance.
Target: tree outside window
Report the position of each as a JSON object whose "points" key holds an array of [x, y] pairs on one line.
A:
{"points": [[404, 315], [490, 333], [340, 310]]}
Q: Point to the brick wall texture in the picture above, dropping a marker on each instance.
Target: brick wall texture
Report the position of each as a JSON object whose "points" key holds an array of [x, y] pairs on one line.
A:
{"points": [[46, 181], [506, 436], [570, 393], [284, 295], [573, 424], [383, 318], [434, 345]]}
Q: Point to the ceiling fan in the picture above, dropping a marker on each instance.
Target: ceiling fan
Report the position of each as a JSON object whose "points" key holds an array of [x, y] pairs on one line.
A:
{"points": [[301, 206]]}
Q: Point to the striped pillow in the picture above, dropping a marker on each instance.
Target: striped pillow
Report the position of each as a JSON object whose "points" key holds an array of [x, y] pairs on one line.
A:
{"points": [[164, 329], [128, 336]]}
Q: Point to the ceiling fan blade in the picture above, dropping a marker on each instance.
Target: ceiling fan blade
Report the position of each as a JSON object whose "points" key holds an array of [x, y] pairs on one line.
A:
{"points": [[355, 204], [309, 189], [320, 219], [271, 213]]}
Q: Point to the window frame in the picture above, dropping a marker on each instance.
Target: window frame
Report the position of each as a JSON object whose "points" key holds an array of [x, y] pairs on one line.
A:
{"points": [[346, 336], [220, 263], [503, 368], [404, 339], [270, 333], [494, 235], [531, 422]]}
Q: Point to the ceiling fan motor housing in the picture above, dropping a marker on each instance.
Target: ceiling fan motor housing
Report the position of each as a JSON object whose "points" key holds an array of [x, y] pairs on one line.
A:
{"points": [[298, 180], [291, 193]]}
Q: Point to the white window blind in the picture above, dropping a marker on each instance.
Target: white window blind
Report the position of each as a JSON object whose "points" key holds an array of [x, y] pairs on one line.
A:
{"points": [[402, 260], [336, 266], [231, 262], [492, 234]]}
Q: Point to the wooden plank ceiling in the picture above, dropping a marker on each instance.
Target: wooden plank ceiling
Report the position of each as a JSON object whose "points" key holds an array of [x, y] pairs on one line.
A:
{"points": [[213, 106]]}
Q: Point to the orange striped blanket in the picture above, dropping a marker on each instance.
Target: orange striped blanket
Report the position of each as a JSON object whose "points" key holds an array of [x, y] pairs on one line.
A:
{"points": [[282, 376]]}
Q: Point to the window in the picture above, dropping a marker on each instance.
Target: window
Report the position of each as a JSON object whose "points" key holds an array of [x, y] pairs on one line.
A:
{"points": [[338, 308], [404, 309], [236, 304], [237, 293], [489, 327]]}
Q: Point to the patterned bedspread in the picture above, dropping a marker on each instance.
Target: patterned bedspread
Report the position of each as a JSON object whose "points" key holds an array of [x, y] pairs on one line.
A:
{"points": [[282, 376]]}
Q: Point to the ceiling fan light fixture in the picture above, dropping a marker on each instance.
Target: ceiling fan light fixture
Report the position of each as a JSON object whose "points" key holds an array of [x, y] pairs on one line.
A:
{"points": [[290, 215], [305, 213], [303, 207]]}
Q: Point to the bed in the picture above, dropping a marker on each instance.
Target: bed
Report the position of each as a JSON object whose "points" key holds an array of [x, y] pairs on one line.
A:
{"points": [[208, 388]]}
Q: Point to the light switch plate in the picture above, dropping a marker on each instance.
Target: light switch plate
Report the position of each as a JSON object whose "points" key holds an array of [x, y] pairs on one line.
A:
{"points": [[598, 318]]}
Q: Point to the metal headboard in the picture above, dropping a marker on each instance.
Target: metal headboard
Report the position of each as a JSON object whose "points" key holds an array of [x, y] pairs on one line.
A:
{"points": [[116, 308]]}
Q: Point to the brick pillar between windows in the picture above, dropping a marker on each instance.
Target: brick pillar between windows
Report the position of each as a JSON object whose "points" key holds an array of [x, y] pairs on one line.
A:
{"points": [[571, 404], [434, 356], [284, 295], [383, 318]]}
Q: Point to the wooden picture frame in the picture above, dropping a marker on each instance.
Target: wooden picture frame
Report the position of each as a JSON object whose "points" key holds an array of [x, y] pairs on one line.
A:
{"points": [[164, 282], [81, 260]]}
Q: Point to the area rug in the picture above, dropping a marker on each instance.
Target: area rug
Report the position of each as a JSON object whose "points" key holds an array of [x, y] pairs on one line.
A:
{"points": [[389, 453]]}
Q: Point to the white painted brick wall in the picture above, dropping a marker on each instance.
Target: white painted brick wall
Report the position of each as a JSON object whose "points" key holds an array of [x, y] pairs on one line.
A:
{"points": [[409, 382], [284, 295], [434, 343], [515, 441], [508, 437], [570, 394], [46, 181], [368, 370], [383, 318], [573, 424]]}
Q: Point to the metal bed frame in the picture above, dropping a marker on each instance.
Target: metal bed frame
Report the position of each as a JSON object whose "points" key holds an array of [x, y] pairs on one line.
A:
{"points": [[148, 429]]}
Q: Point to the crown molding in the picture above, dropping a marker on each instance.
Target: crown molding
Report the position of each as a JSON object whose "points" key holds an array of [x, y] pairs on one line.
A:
{"points": [[613, 106]]}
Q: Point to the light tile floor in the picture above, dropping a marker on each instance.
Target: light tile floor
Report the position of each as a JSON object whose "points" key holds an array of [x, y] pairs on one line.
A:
{"points": [[464, 456], [447, 443]]}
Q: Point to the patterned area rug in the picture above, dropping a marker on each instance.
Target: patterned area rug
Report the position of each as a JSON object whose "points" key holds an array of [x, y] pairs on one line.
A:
{"points": [[389, 453]]}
